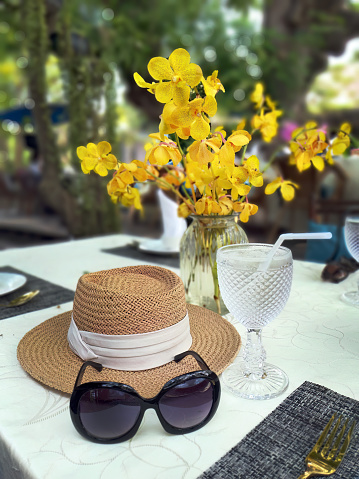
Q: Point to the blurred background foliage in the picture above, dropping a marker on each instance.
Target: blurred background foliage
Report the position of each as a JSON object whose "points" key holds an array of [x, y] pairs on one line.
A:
{"points": [[66, 78]]}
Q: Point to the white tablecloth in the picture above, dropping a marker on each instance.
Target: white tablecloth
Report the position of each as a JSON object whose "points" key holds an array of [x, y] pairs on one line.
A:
{"points": [[315, 338]]}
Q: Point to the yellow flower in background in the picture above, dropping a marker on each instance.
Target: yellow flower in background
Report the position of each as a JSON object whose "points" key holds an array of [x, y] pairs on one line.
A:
{"points": [[271, 104], [257, 96], [340, 143], [192, 116], [287, 188], [97, 158], [241, 125], [213, 84], [307, 145], [176, 76], [267, 124]]}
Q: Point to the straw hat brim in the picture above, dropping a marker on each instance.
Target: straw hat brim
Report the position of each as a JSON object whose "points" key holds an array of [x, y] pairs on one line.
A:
{"points": [[45, 354]]}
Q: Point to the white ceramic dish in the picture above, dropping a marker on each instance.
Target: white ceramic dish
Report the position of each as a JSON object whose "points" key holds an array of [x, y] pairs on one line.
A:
{"points": [[157, 247], [10, 282]]}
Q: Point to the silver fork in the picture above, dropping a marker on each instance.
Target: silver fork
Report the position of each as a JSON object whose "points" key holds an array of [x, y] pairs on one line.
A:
{"points": [[325, 457]]}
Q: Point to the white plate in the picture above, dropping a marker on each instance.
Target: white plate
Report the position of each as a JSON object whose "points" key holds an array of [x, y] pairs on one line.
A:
{"points": [[157, 247], [10, 282]]}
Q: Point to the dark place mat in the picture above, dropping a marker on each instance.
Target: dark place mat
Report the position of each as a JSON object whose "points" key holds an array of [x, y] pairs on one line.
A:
{"points": [[50, 295], [133, 252], [278, 446]]}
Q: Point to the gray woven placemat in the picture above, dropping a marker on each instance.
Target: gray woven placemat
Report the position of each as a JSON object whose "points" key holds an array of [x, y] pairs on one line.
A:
{"points": [[50, 294], [277, 447], [130, 251]]}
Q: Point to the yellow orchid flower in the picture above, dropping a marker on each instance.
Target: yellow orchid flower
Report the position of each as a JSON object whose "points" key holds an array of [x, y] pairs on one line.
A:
{"points": [[163, 152], [151, 87], [199, 175], [267, 124], [271, 104], [208, 206], [97, 158], [127, 174], [175, 178], [254, 175], [183, 210], [238, 186], [167, 125], [241, 125], [200, 150], [307, 145], [287, 188], [340, 143], [191, 115], [129, 197], [176, 77], [213, 84], [246, 210], [233, 144], [257, 96]]}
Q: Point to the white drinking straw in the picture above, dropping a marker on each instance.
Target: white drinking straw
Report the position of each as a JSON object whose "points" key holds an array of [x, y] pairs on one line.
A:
{"points": [[290, 236]]}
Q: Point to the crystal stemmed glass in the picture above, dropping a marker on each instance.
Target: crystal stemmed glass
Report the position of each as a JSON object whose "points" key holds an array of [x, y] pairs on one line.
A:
{"points": [[351, 232], [254, 298]]}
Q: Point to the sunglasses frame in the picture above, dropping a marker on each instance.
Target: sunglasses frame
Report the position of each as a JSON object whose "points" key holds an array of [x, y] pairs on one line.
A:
{"points": [[145, 403]]}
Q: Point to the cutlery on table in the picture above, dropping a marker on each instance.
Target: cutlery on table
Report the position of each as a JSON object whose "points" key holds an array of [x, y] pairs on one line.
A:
{"points": [[24, 298], [325, 457]]}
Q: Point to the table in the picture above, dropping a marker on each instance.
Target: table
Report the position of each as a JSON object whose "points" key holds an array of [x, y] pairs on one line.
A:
{"points": [[315, 338]]}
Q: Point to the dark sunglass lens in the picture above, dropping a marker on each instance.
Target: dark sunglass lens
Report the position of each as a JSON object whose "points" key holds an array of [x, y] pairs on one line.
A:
{"points": [[108, 413], [187, 404]]}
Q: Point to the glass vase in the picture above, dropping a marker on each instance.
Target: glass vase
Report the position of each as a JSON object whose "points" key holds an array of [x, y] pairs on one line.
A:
{"points": [[198, 250]]}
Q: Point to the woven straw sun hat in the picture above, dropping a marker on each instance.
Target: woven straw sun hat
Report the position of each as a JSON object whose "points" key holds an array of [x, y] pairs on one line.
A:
{"points": [[135, 304]]}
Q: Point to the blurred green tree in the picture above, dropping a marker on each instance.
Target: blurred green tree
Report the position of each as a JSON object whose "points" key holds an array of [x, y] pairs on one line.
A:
{"points": [[99, 44]]}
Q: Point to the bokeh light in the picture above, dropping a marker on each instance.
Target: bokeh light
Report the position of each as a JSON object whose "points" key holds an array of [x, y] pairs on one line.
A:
{"points": [[29, 103], [22, 62], [239, 94], [107, 76], [108, 14], [210, 54], [242, 51], [252, 59], [254, 71]]}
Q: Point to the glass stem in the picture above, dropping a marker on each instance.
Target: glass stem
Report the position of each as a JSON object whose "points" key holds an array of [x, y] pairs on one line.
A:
{"points": [[254, 355]]}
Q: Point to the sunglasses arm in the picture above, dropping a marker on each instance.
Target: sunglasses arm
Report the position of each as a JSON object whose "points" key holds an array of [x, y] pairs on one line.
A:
{"points": [[83, 369], [196, 356]]}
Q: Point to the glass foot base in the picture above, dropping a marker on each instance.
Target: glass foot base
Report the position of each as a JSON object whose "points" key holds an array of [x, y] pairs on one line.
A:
{"points": [[351, 297], [272, 384]]}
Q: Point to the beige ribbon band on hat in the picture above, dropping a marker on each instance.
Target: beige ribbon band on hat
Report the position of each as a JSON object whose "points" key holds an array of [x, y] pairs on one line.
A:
{"points": [[131, 352]]}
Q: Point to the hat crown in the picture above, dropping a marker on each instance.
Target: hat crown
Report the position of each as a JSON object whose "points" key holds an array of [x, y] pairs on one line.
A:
{"points": [[130, 300]]}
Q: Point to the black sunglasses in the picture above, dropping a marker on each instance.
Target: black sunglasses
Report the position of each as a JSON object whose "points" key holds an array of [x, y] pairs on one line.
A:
{"points": [[109, 412]]}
